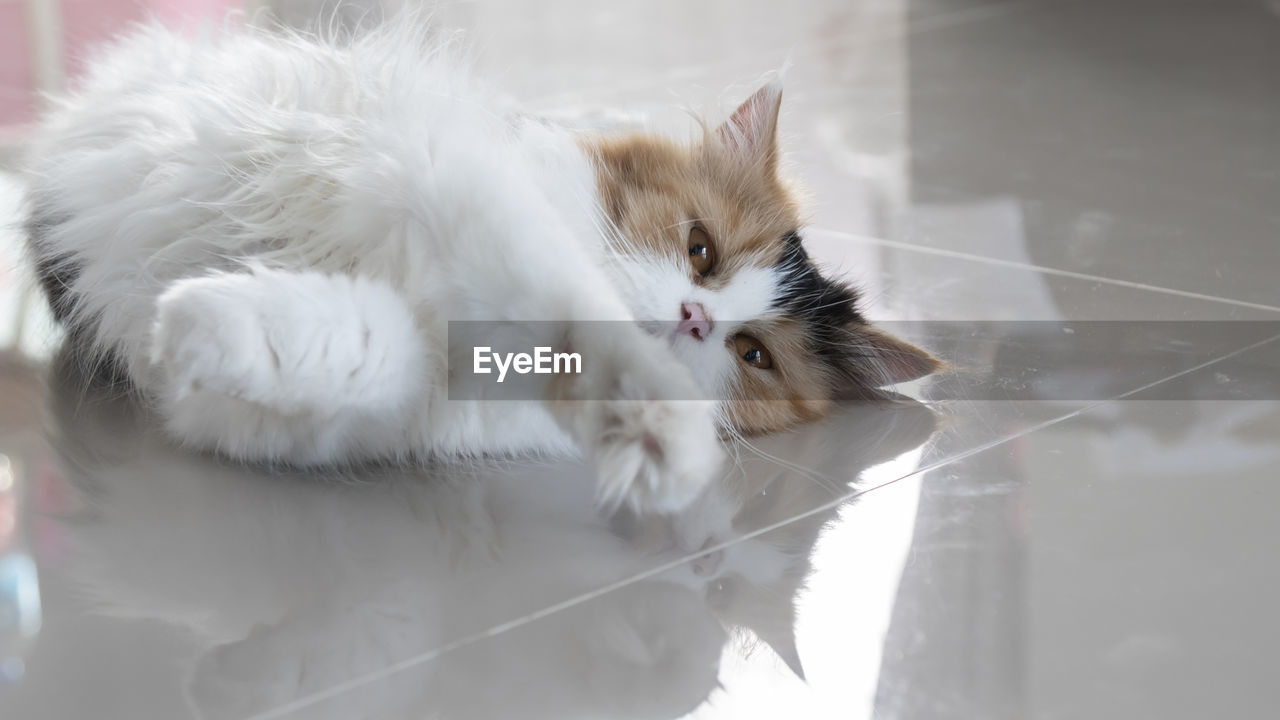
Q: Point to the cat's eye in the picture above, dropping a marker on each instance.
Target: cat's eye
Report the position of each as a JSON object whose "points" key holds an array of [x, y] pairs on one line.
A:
{"points": [[752, 352], [702, 253]]}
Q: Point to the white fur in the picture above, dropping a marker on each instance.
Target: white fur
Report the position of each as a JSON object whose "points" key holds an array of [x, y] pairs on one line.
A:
{"points": [[655, 286], [272, 232], [212, 334]]}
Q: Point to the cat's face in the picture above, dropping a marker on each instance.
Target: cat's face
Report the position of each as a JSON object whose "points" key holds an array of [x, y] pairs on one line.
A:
{"points": [[707, 248]]}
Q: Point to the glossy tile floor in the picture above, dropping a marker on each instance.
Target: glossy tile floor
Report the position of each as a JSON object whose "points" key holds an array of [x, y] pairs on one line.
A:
{"points": [[1078, 521]]}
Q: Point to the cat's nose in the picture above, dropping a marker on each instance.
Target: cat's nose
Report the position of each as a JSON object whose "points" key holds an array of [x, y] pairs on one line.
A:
{"points": [[694, 321]]}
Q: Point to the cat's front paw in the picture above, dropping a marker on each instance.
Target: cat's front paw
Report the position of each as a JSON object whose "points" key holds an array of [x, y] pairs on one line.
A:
{"points": [[653, 453], [291, 342], [209, 339]]}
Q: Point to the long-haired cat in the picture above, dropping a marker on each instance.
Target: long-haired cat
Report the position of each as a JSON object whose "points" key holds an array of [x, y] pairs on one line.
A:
{"points": [[269, 234], [289, 586]]}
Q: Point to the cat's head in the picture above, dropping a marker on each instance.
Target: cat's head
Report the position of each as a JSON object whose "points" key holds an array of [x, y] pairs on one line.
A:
{"points": [[706, 245]]}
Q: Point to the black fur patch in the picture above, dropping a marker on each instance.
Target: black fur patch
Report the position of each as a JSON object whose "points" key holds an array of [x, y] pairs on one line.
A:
{"points": [[57, 272], [827, 309]]}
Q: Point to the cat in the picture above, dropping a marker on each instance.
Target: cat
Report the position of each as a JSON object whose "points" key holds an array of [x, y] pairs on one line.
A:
{"points": [[268, 235], [290, 585]]}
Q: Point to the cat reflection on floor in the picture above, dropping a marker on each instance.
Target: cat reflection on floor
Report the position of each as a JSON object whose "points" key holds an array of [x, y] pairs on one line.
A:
{"points": [[293, 585]]}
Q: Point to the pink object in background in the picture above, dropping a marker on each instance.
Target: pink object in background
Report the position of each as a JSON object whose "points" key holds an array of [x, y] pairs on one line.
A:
{"points": [[16, 77], [85, 24]]}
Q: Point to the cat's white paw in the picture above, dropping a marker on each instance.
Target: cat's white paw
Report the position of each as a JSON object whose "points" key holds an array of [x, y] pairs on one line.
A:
{"points": [[291, 342], [652, 452], [655, 455], [207, 339]]}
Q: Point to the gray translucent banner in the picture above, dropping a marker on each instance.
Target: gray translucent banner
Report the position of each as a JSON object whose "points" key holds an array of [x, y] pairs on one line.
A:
{"points": [[984, 361]]}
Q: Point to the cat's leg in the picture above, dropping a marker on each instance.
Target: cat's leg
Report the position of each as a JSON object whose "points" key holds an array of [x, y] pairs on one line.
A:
{"points": [[294, 366], [640, 417]]}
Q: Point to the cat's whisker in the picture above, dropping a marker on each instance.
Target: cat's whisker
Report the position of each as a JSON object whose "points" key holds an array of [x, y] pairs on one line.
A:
{"points": [[733, 446], [825, 482]]}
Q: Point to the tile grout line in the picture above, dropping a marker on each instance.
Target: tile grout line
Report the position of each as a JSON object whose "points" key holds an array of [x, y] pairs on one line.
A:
{"points": [[960, 255], [495, 630]]}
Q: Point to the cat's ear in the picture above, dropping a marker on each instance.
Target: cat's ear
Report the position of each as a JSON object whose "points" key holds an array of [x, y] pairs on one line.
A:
{"points": [[877, 358], [751, 132]]}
